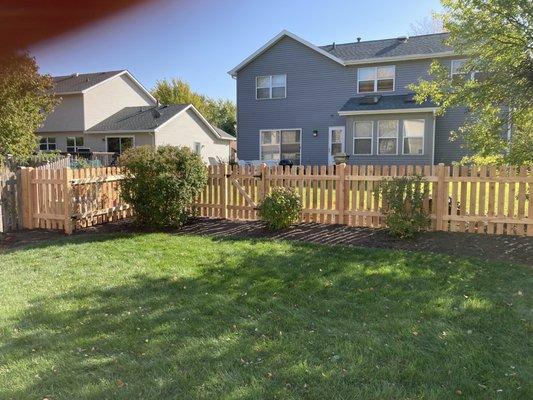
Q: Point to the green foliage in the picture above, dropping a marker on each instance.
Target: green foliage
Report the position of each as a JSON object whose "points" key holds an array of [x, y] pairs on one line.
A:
{"points": [[281, 208], [25, 101], [35, 160], [403, 205], [220, 113], [497, 38], [161, 183]]}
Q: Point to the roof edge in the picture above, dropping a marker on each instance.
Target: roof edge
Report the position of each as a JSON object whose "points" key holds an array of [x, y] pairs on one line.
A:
{"points": [[273, 41], [401, 58], [390, 111]]}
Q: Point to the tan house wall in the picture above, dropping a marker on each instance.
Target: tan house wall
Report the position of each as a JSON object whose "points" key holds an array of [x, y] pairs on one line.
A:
{"points": [[112, 96], [186, 129], [97, 141], [67, 115]]}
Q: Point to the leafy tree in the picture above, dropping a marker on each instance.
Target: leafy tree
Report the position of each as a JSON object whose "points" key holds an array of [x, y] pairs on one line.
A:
{"points": [[25, 100], [496, 38], [221, 113]]}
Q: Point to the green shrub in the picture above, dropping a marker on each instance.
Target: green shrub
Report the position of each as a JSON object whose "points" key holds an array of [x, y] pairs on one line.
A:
{"points": [[402, 199], [161, 183], [281, 208]]}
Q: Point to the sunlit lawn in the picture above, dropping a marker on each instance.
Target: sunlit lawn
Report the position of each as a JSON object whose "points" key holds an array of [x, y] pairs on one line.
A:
{"points": [[160, 316]]}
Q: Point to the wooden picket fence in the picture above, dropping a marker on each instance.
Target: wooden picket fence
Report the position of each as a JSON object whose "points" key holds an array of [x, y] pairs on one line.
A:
{"points": [[10, 201], [458, 199]]}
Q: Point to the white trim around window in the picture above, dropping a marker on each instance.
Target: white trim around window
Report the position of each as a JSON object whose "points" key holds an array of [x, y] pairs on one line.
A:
{"points": [[388, 138], [47, 143], [371, 137], [121, 137], [375, 78], [74, 148], [279, 143], [423, 121], [270, 84]]}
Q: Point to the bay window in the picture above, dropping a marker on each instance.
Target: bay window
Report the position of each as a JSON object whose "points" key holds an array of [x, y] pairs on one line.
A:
{"points": [[362, 140], [388, 137], [413, 136], [376, 79], [271, 87], [282, 144]]}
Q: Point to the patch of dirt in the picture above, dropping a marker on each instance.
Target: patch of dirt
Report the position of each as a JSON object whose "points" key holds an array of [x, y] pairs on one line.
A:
{"points": [[515, 249]]}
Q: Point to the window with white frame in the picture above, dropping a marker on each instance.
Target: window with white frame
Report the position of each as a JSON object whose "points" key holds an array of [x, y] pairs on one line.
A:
{"points": [[271, 87], [74, 143], [197, 148], [362, 138], [376, 79], [282, 144], [457, 70], [388, 137], [47, 144], [413, 136]]}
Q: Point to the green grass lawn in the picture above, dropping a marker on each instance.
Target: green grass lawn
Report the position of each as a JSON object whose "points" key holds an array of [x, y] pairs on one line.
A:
{"points": [[161, 316]]}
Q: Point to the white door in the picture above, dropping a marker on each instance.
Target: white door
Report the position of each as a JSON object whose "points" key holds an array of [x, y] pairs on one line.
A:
{"points": [[336, 141]]}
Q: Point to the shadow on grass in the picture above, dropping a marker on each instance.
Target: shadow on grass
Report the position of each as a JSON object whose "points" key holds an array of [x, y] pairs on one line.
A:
{"points": [[298, 322]]}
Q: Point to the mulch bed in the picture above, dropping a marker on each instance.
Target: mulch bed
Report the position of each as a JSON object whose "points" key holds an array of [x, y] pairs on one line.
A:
{"points": [[514, 249]]}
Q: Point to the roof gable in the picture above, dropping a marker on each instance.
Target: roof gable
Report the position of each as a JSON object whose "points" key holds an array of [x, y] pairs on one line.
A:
{"points": [[415, 47], [82, 83]]}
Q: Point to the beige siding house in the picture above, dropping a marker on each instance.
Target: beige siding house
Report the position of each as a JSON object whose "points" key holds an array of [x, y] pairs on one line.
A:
{"points": [[111, 111]]}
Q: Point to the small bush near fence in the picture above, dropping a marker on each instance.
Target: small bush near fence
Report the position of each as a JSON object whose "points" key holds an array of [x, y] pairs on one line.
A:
{"points": [[281, 208], [160, 184], [403, 205]]}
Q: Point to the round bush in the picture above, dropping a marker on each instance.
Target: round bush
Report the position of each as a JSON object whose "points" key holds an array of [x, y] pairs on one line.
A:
{"points": [[161, 183], [281, 208]]}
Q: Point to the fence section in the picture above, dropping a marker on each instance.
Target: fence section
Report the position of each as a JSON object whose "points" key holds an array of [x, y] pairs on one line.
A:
{"points": [[458, 199], [10, 201]]}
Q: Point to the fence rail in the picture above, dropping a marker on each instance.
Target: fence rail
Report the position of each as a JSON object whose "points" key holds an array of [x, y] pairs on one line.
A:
{"points": [[459, 199]]}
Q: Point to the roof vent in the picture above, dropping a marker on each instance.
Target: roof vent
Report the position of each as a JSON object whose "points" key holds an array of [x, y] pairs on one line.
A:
{"points": [[333, 46], [75, 74], [402, 39], [155, 113], [369, 100], [358, 39]]}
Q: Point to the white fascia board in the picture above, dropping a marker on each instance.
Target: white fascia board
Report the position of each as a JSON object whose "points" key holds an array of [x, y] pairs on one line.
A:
{"points": [[400, 58], [392, 111], [202, 118], [120, 131], [273, 41], [125, 72]]}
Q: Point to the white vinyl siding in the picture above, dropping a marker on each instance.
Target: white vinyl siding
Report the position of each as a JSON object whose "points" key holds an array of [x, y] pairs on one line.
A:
{"points": [[271, 87], [413, 136], [376, 79], [388, 137], [362, 141]]}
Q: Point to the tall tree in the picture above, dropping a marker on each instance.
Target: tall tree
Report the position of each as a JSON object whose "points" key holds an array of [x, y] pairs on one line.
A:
{"points": [[221, 113], [496, 85], [426, 25], [25, 100]]}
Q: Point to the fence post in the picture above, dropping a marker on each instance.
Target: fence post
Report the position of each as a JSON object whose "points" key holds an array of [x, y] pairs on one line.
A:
{"points": [[67, 200], [340, 169], [441, 203], [26, 197], [224, 192], [265, 169]]}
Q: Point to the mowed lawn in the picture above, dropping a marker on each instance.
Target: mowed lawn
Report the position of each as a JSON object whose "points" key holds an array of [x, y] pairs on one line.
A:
{"points": [[163, 316]]}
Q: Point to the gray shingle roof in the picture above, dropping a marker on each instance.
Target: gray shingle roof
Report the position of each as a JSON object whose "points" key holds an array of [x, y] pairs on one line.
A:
{"points": [[78, 82], [397, 102], [223, 134], [145, 118], [414, 45]]}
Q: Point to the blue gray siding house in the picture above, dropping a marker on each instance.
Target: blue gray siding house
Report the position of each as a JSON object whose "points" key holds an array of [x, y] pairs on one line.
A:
{"points": [[306, 103]]}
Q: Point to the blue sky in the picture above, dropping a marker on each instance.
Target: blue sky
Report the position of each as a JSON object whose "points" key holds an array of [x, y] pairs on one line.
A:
{"points": [[200, 40]]}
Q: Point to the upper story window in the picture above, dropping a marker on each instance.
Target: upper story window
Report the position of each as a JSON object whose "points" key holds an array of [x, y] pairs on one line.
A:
{"points": [[271, 87], [458, 71], [376, 79], [74, 143], [47, 144]]}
